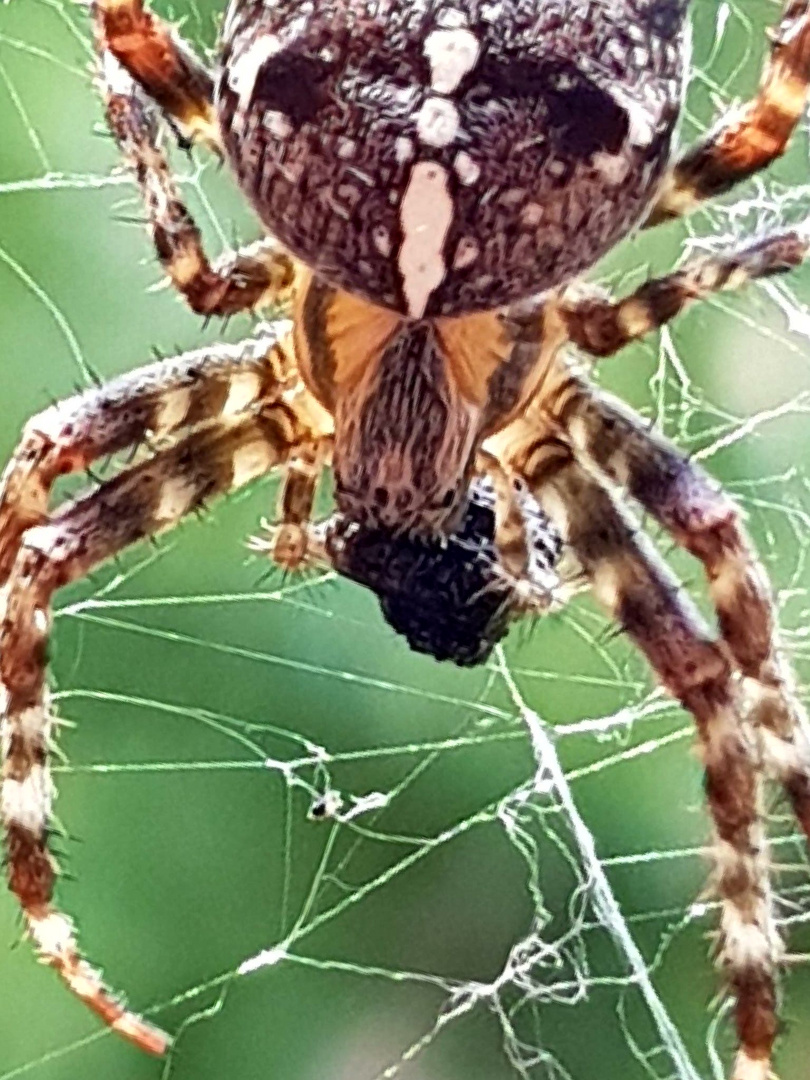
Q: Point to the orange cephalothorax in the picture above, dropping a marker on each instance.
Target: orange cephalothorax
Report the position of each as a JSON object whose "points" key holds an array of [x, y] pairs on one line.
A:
{"points": [[413, 401]]}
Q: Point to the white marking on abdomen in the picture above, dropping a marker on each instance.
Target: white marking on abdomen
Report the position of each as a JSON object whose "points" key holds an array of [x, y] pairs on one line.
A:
{"points": [[467, 170], [438, 122], [467, 251], [278, 124], [243, 71], [452, 54], [403, 149], [381, 239], [425, 215]]}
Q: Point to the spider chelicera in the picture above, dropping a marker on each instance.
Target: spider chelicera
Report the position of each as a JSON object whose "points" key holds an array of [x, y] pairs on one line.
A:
{"points": [[435, 176]]}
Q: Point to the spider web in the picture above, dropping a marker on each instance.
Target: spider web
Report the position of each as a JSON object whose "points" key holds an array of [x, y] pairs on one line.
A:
{"points": [[303, 849]]}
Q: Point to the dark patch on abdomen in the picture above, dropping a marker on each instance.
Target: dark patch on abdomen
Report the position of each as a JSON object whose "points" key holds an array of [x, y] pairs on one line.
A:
{"points": [[566, 94], [294, 84]]}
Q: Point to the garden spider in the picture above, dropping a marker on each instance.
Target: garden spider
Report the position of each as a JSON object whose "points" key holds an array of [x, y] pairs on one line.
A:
{"points": [[438, 174]]}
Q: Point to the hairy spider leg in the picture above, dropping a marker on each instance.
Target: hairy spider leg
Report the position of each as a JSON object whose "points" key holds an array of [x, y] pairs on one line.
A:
{"points": [[258, 275], [148, 404], [683, 498], [160, 61], [601, 325], [750, 138], [140, 502], [567, 437], [701, 518], [630, 579], [245, 431]]}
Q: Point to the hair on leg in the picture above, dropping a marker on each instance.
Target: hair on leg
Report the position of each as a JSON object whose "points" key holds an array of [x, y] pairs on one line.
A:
{"points": [[138, 503], [160, 61], [255, 276], [749, 138], [704, 520], [637, 589], [151, 403], [601, 326]]}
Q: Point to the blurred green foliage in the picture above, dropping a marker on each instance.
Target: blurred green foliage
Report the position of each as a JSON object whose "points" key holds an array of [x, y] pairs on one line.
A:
{"points": [[190, 673]]}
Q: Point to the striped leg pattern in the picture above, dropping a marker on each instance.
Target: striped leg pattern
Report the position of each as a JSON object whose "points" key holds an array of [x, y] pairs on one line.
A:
{"points": [[637, 589], [601, 326], [149, 404], [683, 498], [256, 276], [244, 430], [161, 62], [750, 138], [706, 522]]}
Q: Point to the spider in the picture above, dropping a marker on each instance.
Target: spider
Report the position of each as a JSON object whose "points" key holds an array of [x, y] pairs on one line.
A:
{"points": [[435, 178]]}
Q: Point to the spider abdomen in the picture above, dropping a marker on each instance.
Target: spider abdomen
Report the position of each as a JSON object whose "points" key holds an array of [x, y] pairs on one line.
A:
{"points": [[446, 156]]}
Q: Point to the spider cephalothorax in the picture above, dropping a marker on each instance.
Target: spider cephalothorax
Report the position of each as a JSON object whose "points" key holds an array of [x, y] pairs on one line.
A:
{"points": [[438, 172]]}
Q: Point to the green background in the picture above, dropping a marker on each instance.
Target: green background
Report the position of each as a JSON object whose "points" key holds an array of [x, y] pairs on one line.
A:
{"points": [[190, 675]]}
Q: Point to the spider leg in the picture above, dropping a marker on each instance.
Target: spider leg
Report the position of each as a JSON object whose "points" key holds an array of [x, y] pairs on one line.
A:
{"points": [[150, 403], [702, 519], [632, 582], [750, 138], [50, 551], [602, 326], [141, 501], [161, 62], [257, 275], [291, 538], [511, 541]]}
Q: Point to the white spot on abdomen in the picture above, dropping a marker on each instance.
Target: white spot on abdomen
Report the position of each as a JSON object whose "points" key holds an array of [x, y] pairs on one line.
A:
{"points": [[467, 170], [614, 167], [437, 123], [382, 240], [346, 148], [278, 124], [403, 149], [452, 54], [467, 251], [425, 215]]}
